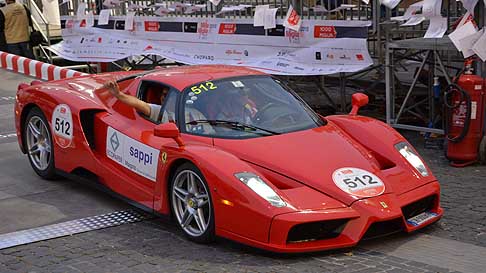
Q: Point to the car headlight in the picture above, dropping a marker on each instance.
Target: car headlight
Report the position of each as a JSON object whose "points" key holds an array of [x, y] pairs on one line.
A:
{"points": [[261, 188], [412, 157]]}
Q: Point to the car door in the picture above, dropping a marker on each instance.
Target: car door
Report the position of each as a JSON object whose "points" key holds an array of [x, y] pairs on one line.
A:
{"points": [[128, 148]]}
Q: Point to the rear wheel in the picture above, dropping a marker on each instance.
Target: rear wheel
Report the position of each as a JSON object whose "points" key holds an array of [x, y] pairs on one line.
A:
{"points": [[191, 204], [38, 142]]}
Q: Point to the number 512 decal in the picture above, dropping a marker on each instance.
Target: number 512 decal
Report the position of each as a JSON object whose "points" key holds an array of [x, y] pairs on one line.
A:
{"points": [[358, 182], [62, 125], [205, 86]]}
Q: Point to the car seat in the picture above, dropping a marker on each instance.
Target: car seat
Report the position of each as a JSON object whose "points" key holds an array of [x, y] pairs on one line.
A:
{"points": [[152, 94]]}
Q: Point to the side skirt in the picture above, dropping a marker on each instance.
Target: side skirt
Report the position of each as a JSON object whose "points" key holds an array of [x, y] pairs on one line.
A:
{"points": [[93, 183]]}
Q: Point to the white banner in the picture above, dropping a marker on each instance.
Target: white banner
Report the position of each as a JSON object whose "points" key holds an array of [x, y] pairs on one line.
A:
{"points": [[320, 47]]}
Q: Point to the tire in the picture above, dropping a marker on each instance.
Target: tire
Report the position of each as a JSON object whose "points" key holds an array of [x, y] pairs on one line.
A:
{"points": [[38, 143], [192, 209], [482, 151]]}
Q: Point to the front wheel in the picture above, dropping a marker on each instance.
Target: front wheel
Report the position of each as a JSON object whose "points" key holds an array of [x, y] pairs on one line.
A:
{"points": [[191, 204], [38, 142]]}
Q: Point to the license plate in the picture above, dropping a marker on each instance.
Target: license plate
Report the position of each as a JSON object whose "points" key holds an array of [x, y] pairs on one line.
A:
{"points": [[421, 218]]}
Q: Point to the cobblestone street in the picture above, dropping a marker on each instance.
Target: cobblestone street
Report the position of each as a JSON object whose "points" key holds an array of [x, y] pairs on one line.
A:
{"points": [[463, 197]]}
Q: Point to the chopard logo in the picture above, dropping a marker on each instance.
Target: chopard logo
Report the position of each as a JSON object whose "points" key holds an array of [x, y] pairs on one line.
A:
{"points": [[204, 57]]}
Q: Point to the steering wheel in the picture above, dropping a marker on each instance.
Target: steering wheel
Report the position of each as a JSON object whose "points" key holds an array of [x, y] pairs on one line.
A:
{"points": [[273, 112]]}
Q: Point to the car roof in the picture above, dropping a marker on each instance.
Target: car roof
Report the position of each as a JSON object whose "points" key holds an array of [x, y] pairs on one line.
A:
{"points": [[182, 77]]}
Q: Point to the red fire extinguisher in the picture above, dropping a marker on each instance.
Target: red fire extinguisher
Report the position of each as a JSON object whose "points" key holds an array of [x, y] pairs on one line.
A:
{"points": [[464, 113]]}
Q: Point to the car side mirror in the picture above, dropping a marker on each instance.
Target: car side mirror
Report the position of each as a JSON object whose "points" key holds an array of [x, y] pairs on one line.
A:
{"points": [[358, 100], [169, 130]]}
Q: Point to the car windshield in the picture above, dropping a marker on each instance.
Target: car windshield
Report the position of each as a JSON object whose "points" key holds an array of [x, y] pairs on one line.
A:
{"points": [[245, 107]]}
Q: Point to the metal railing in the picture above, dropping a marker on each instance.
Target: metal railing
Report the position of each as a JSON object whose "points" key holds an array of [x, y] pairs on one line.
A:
{"points": [[40, 24]]}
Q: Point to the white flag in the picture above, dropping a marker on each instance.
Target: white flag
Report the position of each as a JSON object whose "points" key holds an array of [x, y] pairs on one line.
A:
{"points": [[129, 20], [90, 19], [292, 20], [467, 43], [437, 27], [270, 21], [259, 17], [104, 17], [462, 32], [431, 8], [81, 9], [480, 47]]}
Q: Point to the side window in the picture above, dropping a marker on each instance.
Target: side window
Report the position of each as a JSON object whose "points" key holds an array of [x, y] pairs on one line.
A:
{"points": [[168, 112], [162, 101]]}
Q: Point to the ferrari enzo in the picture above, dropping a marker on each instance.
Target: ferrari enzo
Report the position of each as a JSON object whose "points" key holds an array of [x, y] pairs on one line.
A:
{"points": [[233, 153]]}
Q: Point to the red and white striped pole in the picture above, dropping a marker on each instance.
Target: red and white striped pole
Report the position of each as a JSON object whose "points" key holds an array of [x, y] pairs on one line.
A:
{"points": [[33, 68]]}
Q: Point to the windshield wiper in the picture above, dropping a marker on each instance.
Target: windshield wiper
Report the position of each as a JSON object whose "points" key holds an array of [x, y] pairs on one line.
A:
{"points": [[232, 124]]}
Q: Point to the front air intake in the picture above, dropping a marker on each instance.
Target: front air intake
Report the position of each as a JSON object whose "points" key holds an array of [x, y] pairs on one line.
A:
{"points": [[418, 207], [380, 229], [316, 231]]}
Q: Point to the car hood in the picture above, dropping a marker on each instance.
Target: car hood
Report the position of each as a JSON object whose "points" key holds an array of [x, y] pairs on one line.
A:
{"points": [[309, 156]]}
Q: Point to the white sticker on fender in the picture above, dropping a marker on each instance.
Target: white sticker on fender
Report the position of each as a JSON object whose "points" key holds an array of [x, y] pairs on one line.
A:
{"points": [[131, 154], [62, 125], [358, 182]]}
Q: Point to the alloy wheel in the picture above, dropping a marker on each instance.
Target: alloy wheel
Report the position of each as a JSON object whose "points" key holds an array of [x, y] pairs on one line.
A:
{"points": [[190, 201], [38, 143]]}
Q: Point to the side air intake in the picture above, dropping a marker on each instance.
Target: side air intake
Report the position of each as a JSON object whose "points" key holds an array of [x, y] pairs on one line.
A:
{"points": [[87, 122]]}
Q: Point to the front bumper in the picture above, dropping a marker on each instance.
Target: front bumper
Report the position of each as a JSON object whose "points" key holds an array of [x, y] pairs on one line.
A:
{"points": [[367, 215]]}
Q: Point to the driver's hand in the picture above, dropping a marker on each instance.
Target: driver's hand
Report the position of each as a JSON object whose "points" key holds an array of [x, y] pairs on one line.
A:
{"points": [[113, 87]]}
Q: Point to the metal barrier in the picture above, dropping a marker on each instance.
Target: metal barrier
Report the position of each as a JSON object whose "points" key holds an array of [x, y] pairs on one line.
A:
{"points": [[423, 59]]}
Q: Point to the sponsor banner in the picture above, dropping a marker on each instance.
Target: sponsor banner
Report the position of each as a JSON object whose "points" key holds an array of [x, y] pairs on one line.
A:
{"points": [[131, 154], [319, 47]]}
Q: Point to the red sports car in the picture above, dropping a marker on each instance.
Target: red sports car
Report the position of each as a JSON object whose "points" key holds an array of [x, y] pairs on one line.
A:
{"points": [[233, 153]]}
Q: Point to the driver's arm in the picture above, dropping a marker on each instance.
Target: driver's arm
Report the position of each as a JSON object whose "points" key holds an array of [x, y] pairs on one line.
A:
{"points": [[132, 101]]}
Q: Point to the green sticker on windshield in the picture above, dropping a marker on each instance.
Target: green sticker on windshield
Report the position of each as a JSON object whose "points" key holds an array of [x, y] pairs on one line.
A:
{"points": [[203, 87]]}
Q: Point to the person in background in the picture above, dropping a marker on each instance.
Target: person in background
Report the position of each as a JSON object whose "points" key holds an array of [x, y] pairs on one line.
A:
{"points": [[14, 22]]}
